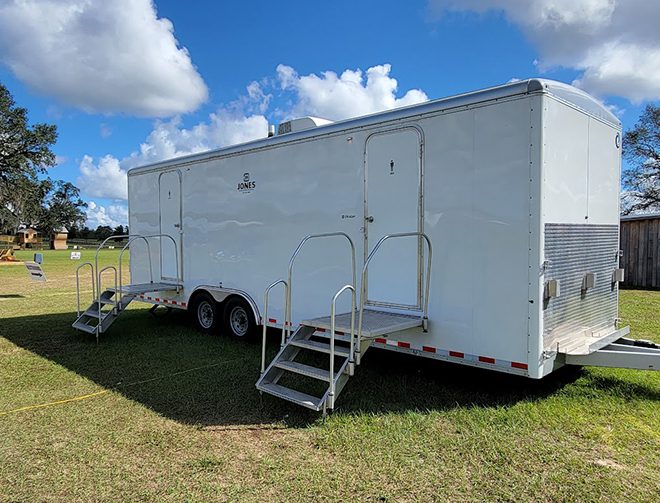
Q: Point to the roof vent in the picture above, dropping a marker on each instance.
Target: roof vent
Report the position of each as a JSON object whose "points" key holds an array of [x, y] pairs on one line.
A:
{"points": [[295, 125]]}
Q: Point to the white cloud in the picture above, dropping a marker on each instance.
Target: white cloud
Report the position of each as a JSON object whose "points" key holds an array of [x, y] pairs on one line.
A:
{"points": [[244, 119], [347, 95], [101, 56], [615, 43], [113, 215], [106, 179], [105, 131]]}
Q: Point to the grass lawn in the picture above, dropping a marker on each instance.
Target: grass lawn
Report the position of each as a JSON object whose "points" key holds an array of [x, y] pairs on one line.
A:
{"points": [[175, 417]]}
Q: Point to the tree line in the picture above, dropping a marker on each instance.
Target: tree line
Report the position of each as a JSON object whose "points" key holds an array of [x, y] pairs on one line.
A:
{"points": [[99, 234], [28, 197]]}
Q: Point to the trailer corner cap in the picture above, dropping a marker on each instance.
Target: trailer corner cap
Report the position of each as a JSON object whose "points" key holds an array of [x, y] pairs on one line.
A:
{"points": [[301, 124], [534, 85]]}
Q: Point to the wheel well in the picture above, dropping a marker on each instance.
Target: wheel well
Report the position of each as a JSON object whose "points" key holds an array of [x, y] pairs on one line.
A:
{"points": [[222, 296], [247, 301], [195, 295]]}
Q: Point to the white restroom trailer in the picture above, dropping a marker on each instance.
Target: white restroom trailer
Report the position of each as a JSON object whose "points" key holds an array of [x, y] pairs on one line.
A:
{"points": [[515, 187]]}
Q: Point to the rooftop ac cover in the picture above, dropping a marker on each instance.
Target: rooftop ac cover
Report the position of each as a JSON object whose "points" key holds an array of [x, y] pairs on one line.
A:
{"points": [[301, 124]]}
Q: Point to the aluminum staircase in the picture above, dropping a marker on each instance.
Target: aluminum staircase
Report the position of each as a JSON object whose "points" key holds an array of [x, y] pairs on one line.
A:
{"points": [[316, 339], [285, 363], [111, 302], [97, 318], [315, 336]]}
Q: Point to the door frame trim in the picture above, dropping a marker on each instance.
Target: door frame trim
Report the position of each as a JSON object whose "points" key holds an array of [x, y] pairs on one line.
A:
{"points": [[420, 214], [160, 222]]}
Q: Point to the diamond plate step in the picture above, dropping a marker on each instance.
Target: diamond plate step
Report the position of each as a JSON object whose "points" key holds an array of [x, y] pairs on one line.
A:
{"points": [[306, 370], [79, 325], [320, 347], [93, 312], [374, 323], [309, 401]]}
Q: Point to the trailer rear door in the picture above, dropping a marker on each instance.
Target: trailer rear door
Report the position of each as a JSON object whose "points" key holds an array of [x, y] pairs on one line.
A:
{"points": [[393, 188], [169, 187]]}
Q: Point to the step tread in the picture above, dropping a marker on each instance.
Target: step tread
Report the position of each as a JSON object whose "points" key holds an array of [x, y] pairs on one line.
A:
{"points": [[320, 347], [309, 401], [306, 370], [374, 323], [94, 313], [79, 325]]}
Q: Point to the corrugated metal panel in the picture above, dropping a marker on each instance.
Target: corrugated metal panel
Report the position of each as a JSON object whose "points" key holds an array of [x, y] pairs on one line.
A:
{"points": [[574, 250]]}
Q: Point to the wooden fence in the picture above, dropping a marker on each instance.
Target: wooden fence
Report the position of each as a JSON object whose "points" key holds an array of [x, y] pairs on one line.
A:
{"points": [[640, 242]]}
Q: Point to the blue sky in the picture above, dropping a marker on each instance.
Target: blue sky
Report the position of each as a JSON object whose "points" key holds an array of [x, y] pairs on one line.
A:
{"points": [[132, 81]]}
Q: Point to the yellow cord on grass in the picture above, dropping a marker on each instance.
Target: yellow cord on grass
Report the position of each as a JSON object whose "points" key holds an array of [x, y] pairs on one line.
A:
{"points": [[58, 402], [103, 392]]}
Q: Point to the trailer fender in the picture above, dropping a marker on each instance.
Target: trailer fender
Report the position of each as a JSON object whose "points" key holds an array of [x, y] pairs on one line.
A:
{"points": [[221, 294]]}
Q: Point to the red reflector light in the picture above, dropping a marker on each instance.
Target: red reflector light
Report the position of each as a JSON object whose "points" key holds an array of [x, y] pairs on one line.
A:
{"points": [[272, 320], [486, 359], [456, 354], [403, 344], [380, 341], [428, 349], [519, 365]]}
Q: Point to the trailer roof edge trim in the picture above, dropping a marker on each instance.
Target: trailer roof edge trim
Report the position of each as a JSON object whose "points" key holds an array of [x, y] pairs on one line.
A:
{"points": [[561, 91]]}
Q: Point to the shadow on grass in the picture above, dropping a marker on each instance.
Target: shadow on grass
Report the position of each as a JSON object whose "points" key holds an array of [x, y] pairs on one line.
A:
{"points": [[12, 296], [162, 363]]}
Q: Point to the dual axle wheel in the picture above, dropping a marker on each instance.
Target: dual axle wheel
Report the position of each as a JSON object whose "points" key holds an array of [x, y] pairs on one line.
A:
{"points": [[233, 317]]}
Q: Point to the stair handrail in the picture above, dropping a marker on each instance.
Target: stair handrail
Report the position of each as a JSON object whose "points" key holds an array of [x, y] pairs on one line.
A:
{"points": [[131, 238], [179, 275], [78, 284], [333, 308], [265, 321], [99, 277], [363, 280], [288, 314]]}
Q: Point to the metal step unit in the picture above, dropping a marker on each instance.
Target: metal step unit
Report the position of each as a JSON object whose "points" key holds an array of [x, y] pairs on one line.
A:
{"points": [[321, 335], [285, 363], [97, 318], [315, 335]]}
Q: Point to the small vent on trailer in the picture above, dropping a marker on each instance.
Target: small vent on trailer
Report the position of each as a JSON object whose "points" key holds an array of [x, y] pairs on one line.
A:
{"points": [[301, 124]]}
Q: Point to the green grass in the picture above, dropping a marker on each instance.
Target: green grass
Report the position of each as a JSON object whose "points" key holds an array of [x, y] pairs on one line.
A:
{"points": [[405, 429]]}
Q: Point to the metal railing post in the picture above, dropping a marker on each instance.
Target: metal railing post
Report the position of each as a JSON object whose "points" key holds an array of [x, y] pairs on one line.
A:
{"points": [[265, 321], [78, 284], [333, 307], [289, 314], [363, 281]]}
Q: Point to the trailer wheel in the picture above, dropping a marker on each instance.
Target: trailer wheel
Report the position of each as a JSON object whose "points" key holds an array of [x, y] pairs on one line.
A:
{"points": [[238, 320], [205, 313]]}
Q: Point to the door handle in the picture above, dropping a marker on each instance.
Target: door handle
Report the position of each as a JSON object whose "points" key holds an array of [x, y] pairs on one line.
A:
{"points": [[177, 225], [369, 219]]}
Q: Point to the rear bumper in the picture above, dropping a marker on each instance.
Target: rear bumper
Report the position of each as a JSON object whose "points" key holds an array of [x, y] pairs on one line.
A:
{"points": [[624, 353], [587, 341]]}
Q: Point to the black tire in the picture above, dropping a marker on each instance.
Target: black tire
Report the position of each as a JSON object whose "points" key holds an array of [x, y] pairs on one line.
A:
{"points": [[238, 319], [205, 313]]}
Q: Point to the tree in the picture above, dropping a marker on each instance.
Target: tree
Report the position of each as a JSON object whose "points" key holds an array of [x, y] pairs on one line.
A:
{"points": [[63, 208], [24, 150], [102, 232], [641, 148], [23, 204], [26, 196]]}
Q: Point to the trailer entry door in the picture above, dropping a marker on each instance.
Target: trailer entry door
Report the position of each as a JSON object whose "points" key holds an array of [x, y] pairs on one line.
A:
{"points": [[169, 186], [393, 175]]}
